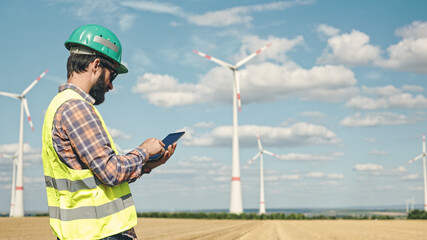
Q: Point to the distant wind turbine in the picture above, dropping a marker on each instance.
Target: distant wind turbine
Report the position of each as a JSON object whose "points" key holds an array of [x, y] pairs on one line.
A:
{"points": [[19, 193], [423, 155], [236, 189], [407, 204], [14, 158], [261, 173]]}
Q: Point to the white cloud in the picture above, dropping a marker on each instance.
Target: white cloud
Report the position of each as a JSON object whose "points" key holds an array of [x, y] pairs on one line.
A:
{"points": [[117, 134], [315, 175], [310, 157], [413, 88], [351, 49], [418, 188], [321, 175], [34, 180], [335, 176], [313, 114], [14, 147], [238, 15], [291, 177], [379, 170], [286, 80], [85, 9], [369, 167], [205, 125], [90, 11], [155, 7], [378, 153], [410, 54], [416, 30], [378, 119], [231, 16], [276, 51], [411, 177], [327, 30], [5, 179], [299, 134], [201, 169], [166, 91], [387, 97], [140, 61], [126, 21], [371, 140]]}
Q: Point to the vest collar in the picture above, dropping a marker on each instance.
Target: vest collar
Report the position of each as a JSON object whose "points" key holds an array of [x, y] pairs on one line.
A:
{"points": [[82, 93]]}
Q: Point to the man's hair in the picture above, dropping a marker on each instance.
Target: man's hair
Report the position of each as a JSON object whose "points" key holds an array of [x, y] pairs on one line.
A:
{"points": [[79, 62]]}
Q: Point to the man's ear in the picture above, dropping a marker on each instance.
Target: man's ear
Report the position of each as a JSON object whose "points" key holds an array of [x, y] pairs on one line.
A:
{"points": [[95, 65]]}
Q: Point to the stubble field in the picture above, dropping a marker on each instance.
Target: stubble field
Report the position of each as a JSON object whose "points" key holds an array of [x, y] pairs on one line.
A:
{"points": [[36, 228]]}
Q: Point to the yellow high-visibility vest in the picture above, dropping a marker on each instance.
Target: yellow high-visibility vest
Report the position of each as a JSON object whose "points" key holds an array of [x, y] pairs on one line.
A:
{"points": [[80, 205]]}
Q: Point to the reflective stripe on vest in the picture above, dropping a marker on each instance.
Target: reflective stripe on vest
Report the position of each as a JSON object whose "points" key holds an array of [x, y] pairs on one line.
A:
{"points": [[80, 205], [91, 212], [72, 186]]}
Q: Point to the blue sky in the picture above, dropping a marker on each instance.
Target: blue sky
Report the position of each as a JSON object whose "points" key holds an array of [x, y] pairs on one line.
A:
{"points": [[340, 94]]}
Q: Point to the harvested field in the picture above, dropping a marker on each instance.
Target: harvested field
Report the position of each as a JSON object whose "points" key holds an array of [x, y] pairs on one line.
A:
{"points": [[36, 228]]}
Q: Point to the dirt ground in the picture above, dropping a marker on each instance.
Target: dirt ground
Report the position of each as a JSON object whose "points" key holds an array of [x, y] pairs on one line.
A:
{"points": [[37, 228]]}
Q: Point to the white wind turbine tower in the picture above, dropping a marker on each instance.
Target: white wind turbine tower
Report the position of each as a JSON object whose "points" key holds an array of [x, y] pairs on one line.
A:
{"points": [[19, 189], [423, 155], [260, 154], [14, 158], [407, 203], [236, 190]]}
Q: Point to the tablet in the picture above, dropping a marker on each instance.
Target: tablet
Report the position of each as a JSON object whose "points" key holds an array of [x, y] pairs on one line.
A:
{"points": [[168, 140]]}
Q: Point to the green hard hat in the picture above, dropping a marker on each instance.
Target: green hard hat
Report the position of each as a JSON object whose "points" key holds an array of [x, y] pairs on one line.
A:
{"points": [[93, 39]]}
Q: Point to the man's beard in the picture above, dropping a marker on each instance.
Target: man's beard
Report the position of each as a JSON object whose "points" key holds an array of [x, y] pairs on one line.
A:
{"points": [[99, 89]]}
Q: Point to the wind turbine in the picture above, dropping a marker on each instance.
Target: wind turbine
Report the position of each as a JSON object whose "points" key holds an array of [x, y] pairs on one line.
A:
{"points": [[260, 154], [423, 155], [19, 189], [236, 189], [407, 203], [12, 193]]}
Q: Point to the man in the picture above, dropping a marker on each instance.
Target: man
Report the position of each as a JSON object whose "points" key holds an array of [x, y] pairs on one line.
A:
{"points": [[86, 179]]}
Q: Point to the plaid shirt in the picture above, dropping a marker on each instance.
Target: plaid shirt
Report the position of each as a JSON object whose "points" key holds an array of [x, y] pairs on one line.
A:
{"points": [[81, 142]]}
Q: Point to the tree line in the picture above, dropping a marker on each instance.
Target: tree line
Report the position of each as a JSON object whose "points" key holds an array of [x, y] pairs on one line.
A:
{"points": [[415, 214]]}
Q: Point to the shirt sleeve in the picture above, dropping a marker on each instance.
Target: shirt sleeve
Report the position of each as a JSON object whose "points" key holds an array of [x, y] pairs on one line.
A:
{"points": [[91, 143]]}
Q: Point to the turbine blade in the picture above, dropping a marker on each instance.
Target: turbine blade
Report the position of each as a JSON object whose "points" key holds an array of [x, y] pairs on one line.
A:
{"points": [[6, 156], [259, 142], [34, 83], [12, 95], [245, 60], [224, 64], [415, 159], [27, 111], [272, 154], [253, 159]]}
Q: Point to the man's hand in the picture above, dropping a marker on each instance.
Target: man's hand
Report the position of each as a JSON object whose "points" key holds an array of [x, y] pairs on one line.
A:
{"points": [[163, 159], [152, 146]]}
